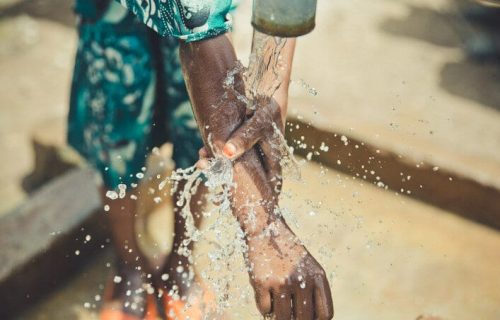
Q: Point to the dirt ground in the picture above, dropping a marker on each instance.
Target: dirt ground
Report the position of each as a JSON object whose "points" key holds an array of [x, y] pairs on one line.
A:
{"points": [[391, 73]]}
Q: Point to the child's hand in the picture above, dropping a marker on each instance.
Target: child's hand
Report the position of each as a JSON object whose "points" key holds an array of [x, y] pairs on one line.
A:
{"points": [[260, 127], [287, 280]]}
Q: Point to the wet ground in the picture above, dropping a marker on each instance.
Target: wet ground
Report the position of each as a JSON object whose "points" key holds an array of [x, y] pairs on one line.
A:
{"points": [[391, 73]]}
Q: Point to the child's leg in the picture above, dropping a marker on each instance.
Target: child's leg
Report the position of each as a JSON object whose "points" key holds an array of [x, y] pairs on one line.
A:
{"points": [[113, 94], [184, 134]]}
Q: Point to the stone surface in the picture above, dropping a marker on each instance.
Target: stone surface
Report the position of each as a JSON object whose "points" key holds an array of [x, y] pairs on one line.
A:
{"points": [[49, 238], [393, 74]]}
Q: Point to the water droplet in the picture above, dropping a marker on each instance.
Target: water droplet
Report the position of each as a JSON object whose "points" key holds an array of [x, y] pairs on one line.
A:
{"points": [[112, 195]]}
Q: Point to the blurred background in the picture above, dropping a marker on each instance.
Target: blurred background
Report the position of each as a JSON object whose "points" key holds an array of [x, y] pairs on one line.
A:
{"points": [[394, 111]]}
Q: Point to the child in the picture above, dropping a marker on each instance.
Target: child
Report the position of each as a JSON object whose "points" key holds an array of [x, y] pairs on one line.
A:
{"points": [[128, 96]]}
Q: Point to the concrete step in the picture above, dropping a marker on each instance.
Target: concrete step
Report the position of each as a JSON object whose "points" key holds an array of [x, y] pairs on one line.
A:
{"points": [[48, 239]]}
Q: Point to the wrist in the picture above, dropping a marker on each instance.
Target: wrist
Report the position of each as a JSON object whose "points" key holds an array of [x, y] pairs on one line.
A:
{"points": [[276, 228]]}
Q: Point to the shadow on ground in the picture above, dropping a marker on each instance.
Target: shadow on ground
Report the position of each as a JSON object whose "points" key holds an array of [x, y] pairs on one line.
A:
{"points": [[468, 79], [421, 23], [472, 81]]}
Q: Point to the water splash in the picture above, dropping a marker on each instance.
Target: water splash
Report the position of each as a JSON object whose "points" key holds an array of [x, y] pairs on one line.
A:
{"points": [[302, 83]]}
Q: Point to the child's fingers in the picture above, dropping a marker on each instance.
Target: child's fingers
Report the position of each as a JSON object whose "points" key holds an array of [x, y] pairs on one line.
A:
{"points": [[244, 138], [260, 125], [203, 153], [302, 304], [202, 164], [282, 306], [323, 300], [271, 158], [263, 299]]}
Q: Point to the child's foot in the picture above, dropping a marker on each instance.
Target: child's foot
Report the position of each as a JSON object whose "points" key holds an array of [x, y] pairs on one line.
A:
{"points": [[129, 297], [184, 295]]}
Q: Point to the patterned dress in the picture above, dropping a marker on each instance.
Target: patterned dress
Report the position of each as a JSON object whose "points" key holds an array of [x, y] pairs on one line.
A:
{"points": [[128, 93]]}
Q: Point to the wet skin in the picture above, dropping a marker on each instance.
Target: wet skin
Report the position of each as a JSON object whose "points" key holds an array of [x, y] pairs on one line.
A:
{"points": [[287, 280], [133, 267], [258, 130], [183, 286]]}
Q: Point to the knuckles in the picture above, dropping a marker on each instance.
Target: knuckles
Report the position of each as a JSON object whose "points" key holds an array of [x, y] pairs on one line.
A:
{"points": [[291, 283]]}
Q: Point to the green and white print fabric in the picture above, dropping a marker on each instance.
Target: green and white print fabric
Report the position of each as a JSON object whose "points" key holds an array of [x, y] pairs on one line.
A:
{"points": [[128, 94], [189, 20]]}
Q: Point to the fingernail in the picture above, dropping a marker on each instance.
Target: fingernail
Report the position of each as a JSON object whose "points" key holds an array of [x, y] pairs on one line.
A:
{"points": [[229, 150], [202, 164]]}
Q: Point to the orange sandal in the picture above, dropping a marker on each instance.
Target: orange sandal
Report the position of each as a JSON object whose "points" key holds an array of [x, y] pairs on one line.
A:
{"points": [[113, 310], [193, 309]]}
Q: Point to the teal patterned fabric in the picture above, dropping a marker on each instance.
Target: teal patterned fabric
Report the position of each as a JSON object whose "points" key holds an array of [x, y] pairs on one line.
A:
{"points": [[189, 20], [128, 94]]}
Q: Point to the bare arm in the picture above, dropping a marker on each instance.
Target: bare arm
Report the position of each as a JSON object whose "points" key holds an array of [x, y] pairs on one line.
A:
{"points": [[205, 66], [282, 272], [274, 67]]}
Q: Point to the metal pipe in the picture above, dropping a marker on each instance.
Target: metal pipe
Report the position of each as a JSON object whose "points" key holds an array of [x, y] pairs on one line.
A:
{"points": [[284, 18]]}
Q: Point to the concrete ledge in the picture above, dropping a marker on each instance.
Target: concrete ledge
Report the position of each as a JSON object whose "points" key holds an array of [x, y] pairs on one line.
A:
{"points": [[424, 181], [48, 238]]}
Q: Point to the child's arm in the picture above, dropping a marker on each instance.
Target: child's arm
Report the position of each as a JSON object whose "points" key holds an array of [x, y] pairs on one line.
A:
{"points": [[282, 272], [269, 114], [264, 126]]}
